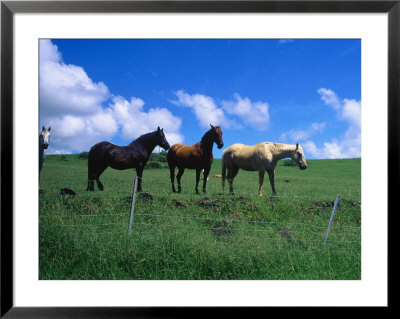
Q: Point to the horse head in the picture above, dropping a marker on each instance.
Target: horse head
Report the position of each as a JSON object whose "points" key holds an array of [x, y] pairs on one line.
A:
{"points": [[217, 136], [162, 141], [45, 137], [298, 157]]}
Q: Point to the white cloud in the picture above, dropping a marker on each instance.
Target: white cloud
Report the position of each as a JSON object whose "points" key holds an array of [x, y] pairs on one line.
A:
{"points": [[135, 122], [329, 97], [204, 108], [77, 133], [74, 106], [351, 112], [66, 88], [48, 52], [240, 110], [284, 41], [301, 135], [349, 146], [329, 150], [255, 114], [71, 103]]}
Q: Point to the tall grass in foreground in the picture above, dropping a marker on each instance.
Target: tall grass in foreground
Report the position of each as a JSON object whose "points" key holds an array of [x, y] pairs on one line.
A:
{"points": [[213, 236]]}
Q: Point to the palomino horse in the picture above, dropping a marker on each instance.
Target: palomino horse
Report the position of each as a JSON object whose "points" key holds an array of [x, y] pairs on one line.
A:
{"points": [[198, 156], [44, 140], [260, 157], [135, 155]]}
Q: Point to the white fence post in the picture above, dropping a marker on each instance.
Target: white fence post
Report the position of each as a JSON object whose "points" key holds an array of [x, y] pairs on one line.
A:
{"points": [[330, 221], [133, 205]]}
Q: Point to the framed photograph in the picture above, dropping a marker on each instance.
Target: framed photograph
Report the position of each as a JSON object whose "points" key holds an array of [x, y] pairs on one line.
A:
{"points": [[196, 154]]}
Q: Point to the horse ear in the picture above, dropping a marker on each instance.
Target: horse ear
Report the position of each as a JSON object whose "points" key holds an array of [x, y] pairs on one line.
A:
{"points": [[297, 145], [49, 128], [211, 126], [162, 130], [158, 129], [43, 128]]}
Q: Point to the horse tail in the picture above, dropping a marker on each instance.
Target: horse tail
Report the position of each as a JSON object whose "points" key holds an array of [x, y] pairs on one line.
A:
{"points": [[223, 172]]}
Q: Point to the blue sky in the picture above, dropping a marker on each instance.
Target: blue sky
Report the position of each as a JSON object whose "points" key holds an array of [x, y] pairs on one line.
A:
{"points": [[287, 91]]}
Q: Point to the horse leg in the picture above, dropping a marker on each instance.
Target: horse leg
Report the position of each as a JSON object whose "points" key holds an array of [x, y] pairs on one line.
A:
{"points": [[92, 173], [198, 171], [139, 174], [271, 173], [90, 185], [96, 177], [99, 184], [205, 175], [261, 181], [230, 179], [172, 175], [232, 172], [178, 178]]}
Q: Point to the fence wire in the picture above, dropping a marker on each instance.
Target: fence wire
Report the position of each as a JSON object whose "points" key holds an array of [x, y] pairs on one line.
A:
{"points": [[161, 193], [163, 187]]}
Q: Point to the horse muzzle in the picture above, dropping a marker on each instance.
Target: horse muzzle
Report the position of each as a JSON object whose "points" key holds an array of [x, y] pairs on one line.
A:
{"points": [[220, 146], [303, 167], [166, 147], [45, 146]]}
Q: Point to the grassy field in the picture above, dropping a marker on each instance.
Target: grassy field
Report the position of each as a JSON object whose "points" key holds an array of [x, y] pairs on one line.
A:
{"points": [[213, 236]]}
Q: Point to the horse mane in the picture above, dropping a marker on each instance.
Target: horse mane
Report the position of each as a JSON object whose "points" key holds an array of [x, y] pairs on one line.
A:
{"points": [[205, 136], [283, 146], [144, 137]]}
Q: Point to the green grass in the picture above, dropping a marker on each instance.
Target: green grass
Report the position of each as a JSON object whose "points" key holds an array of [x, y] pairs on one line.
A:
{"points": [[213, 236]]}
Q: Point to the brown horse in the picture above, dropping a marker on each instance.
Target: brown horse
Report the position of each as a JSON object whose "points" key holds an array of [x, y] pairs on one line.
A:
{"points": [[135, 155], [198, 156]]}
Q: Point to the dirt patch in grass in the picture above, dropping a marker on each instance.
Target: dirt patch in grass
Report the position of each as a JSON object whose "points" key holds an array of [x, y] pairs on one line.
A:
{"points": [[285, 234], [67, 193], [127, 199], [350, 203], [220, 228], [208, 202], [96, 199], [177, 203], [323, 205], [145, 196], [139, 196]]}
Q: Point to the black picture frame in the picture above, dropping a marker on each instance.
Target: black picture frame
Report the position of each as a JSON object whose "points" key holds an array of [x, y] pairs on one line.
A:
{"points": [[9, 8]]}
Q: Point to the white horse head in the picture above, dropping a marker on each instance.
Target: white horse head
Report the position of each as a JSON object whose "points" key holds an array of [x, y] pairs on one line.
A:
{"points": [[45, 137], [298, 157]]}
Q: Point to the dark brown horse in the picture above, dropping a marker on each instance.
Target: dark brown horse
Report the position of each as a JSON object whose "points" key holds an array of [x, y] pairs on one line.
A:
{"points": [[135, 155], [198, 156]]}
